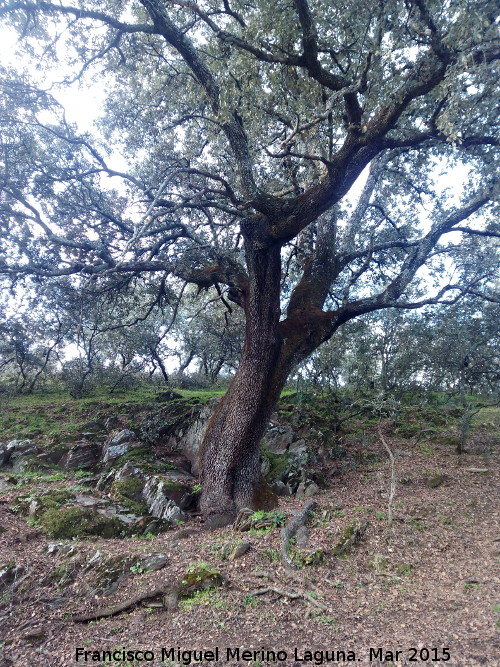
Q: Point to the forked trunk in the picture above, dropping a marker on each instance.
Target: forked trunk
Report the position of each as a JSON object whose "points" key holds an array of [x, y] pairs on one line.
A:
{"points": [[231, 477]]}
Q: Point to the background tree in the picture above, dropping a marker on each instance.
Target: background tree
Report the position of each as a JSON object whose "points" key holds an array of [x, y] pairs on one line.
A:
{"points": [[245, 128]]}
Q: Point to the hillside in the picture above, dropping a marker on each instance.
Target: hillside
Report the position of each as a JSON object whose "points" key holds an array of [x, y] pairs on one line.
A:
{"points": [[424, 590]]}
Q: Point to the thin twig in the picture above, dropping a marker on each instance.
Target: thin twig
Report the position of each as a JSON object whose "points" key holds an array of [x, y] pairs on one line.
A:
{"points": [[392, 491]]}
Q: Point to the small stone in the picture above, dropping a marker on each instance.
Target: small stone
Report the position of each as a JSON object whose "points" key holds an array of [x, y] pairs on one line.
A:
{"points": [[239, 550], [479, 470], [153, 562], [435, 481], [352, 535], [300, 490], [311, 490], [315, 558], [185, 533], [155, 527], [94, 559], [33, 635]]}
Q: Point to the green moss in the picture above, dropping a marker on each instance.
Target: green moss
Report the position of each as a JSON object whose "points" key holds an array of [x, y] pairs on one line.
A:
{"points": [[128, 493], [65, 523], [278, 464], [44, 501], [308, 559], [200, 576], [129, 487], [173, 485], [136, 454], [350, 535], [109, 571]]}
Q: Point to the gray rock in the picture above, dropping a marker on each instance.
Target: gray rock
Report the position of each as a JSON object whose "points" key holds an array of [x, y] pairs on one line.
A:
{"points": [[61, 548], [278, 439], [118, 445], [435, 481], [125, 435], [156, 527], [179, 427], [3, 453], [94, 427], [238, 550], [81, 455], [53, 456], [127, 471], [17, 452], [153, 562], [307, 489], [189, 439], [298, 450], [300, 490], [9, 573], [113, 452], [94, 559], [21, 447], [106, 572], [311, 490], [158, 503]]}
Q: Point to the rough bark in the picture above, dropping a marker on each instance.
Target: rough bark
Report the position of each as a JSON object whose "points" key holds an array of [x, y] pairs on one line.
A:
{"points": [[230, 451]]}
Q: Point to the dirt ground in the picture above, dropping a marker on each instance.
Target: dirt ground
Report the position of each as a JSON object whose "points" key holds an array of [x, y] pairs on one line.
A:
{"points": [[425, 591]]}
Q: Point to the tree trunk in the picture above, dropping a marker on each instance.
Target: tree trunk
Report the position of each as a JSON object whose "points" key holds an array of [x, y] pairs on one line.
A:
{"points": [[231, 477]]}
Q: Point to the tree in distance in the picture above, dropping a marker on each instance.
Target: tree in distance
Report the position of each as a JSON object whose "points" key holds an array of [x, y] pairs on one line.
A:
{"points": [[288, 155]]}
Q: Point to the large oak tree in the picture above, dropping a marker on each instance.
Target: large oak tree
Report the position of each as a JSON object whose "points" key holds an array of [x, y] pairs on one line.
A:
{"points": [[245, 126]]}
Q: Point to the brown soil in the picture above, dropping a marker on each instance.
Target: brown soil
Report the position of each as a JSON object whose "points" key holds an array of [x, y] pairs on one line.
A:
{"points": [[428, 587]]}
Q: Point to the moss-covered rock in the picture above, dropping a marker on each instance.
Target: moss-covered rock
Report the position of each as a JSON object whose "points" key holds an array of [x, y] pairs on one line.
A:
{"points": [[36, 505], [136, 455], [200, 576], [276, 466], [69, 522], [435, 481], [129, 487], [234, 549], [107, 572], [351, 535], [315, 558]]}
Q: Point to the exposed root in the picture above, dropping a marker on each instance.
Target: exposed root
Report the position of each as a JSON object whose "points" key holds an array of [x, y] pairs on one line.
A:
{"points": [[292, 595], [169, 595]]}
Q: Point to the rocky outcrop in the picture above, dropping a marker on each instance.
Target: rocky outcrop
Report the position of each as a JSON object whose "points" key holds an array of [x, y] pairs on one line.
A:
{"points": [[156, 496], [179, 427], [118, 444], [82, 455]]}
